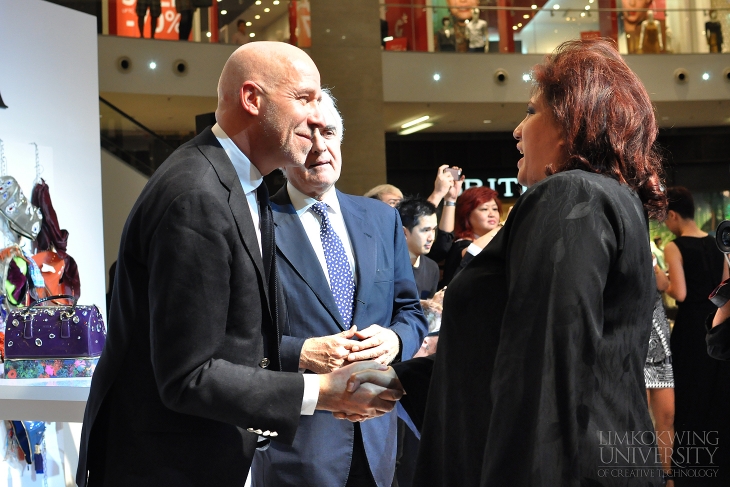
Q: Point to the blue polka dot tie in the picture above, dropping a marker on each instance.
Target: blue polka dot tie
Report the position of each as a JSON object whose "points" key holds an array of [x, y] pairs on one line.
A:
{"points": [[341, 281]]}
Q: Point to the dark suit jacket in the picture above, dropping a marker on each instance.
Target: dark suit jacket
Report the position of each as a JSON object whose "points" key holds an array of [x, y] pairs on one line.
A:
{"points": [[386, 295], [181, 379]]}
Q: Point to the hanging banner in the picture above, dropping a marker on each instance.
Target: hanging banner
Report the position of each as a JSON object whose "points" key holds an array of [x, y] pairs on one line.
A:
{"points": [[123, 20], [304, 24]]}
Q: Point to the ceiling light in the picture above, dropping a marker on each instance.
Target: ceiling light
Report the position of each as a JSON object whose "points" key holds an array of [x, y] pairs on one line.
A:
{"points": [[526, 77], [556, 7], [525, 16], [208, 34], [533, 7], [519, 24], [153, 65], [415, 128], [223, 12], [705, 76], [267, 9], [276, 2], [248, 24], [415, 122], [436, 77], [582, 14], [252, 34], [487, 121], [514, 27], [588, 7], [258, 2], [256, 17], [386, 39]]}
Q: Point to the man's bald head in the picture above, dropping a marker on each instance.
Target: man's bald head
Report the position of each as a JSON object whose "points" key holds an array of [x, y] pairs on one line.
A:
{"points": [[268, 64], [268, 103]]}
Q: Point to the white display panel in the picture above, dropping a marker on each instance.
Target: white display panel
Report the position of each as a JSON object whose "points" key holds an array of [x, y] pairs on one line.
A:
{"points": [[49, 81]]}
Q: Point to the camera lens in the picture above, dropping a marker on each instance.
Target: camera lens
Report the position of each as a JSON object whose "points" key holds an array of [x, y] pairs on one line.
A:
{"points": [[722, 237]]}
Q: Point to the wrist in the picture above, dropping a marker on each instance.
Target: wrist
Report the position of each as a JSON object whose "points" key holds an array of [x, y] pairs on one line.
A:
{"points": [[449, 203]]}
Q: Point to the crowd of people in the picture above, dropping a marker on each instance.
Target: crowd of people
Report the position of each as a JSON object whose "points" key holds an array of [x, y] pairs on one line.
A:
{"points": [[313, 338]]}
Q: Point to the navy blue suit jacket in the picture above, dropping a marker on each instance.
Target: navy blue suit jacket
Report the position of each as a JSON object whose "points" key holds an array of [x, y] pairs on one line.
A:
{"points": [[386, 295]]}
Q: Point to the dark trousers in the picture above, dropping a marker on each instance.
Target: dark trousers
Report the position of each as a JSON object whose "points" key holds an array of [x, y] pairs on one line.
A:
{"points": [[186, 24], [360, 475]]}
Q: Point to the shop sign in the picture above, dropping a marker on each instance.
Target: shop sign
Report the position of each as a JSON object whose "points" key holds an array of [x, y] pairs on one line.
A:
{"points": [[123, 20], [512, 188]]}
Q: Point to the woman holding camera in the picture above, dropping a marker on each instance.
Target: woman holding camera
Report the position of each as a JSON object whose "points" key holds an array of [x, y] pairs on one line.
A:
{"points": [[539, 375]]}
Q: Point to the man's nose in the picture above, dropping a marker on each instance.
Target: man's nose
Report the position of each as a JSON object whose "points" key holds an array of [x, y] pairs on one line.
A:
{"points": [[316, 117], [318, 143]]}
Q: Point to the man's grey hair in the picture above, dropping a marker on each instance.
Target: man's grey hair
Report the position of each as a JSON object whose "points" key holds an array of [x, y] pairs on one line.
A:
{"points": [[330, 112]]}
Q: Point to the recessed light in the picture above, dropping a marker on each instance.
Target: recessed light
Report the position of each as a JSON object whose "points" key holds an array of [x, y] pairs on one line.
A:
{"points": [[252, 34], [436, 77], [588, 7], [276, 2], [248, 24], [533, 7], [223, 12], [705, 76], [386, 39], [487, 121], [514, 27], [208, 34], [519, 24], [582, 14], [415, 122], [258, 2], [556, 7], [256, 17], [153, 65], [526, 77], [525, 16], [267, 9]]}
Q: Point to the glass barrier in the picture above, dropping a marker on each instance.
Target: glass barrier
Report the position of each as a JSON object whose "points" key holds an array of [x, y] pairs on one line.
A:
{"points": [[537, 27], [131, 141]]}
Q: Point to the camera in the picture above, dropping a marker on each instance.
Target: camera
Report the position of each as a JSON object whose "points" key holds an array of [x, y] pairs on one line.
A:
{"points": [[721, 294]]}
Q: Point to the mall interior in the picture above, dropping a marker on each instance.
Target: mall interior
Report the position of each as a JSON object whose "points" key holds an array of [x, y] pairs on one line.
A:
{"points": [[413, 95]]}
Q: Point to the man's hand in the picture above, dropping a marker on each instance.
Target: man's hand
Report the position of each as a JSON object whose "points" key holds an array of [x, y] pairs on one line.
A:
{"points": [[455, 188], [385, 380], [327, 353], [362, 402], [378, 343]]}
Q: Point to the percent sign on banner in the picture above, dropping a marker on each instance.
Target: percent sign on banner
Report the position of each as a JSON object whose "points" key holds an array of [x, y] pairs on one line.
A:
{"points": [[168, 24]]}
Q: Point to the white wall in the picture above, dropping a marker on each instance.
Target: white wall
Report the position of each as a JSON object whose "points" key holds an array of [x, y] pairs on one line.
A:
{"points": [[121, 185], [49, 80]]}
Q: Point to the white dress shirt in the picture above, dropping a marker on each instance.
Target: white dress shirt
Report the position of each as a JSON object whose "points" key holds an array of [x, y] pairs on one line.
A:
{"points": [[310, 221], [251, 178]]}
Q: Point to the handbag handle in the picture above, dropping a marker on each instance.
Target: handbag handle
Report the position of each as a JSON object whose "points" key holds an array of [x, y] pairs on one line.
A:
{"points": [[65, 331], [54, 297]]}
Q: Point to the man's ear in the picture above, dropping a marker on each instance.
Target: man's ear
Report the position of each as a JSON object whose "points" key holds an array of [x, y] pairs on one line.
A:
{"points": [[406, 233], [251, 98]]}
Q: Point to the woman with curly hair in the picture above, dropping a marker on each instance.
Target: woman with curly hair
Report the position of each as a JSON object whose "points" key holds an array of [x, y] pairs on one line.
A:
{"points": [[539, 375]]}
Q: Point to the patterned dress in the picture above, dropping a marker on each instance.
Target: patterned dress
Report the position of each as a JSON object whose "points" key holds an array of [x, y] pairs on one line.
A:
{"points": [[658, 372]]}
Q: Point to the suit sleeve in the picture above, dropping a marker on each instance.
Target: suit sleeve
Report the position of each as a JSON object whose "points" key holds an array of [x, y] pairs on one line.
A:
{"points": [[415, 377], [190, 263], [408, 321]]}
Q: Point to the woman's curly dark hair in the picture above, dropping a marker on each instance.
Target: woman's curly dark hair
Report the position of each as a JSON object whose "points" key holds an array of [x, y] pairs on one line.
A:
{"points": [[606, 116]]}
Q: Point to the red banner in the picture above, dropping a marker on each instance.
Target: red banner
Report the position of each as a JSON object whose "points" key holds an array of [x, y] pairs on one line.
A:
{"points": [[123, 20]]}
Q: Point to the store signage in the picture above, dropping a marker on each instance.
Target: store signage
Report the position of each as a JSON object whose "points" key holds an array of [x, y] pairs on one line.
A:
{"points": [[123, 20], [2, 103], [510, 186]]}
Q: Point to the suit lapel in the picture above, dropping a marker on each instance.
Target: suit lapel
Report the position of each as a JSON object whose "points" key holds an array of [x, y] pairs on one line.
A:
{"points": [[360, 230], [212, 150], [293, 245]]}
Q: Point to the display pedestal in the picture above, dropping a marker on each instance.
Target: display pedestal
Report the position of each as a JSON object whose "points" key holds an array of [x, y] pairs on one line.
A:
{"points": [[53, 400]]}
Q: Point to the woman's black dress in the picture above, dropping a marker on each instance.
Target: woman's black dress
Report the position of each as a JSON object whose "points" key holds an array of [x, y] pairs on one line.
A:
{"points": [[701, 383], [538, 379]]}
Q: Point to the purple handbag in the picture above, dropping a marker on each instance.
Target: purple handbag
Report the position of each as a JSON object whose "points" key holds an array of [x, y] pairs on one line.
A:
{"points": [[53, 341]]}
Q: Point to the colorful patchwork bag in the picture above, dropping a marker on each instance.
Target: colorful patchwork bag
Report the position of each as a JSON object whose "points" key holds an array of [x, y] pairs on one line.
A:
{"points": [[53, 341]]}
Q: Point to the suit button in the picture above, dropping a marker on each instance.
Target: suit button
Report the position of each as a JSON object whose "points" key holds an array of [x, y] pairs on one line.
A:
{"points": [[250, 430], [264, 363], [273, 433]]}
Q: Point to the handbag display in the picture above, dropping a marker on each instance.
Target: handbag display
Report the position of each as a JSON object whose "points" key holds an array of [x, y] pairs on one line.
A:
{"points": [[53, 341], [29, 435]]}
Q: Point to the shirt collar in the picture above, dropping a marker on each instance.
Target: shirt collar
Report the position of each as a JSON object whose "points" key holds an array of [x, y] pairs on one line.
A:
{"points": [[302, 202], [249, 175]]}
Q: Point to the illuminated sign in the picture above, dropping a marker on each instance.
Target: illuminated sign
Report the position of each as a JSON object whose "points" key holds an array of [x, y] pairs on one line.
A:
{"points": [[508, 183]]}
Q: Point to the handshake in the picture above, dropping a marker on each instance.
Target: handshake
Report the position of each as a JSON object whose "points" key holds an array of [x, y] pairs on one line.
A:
{"points": [[359, 391]]}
